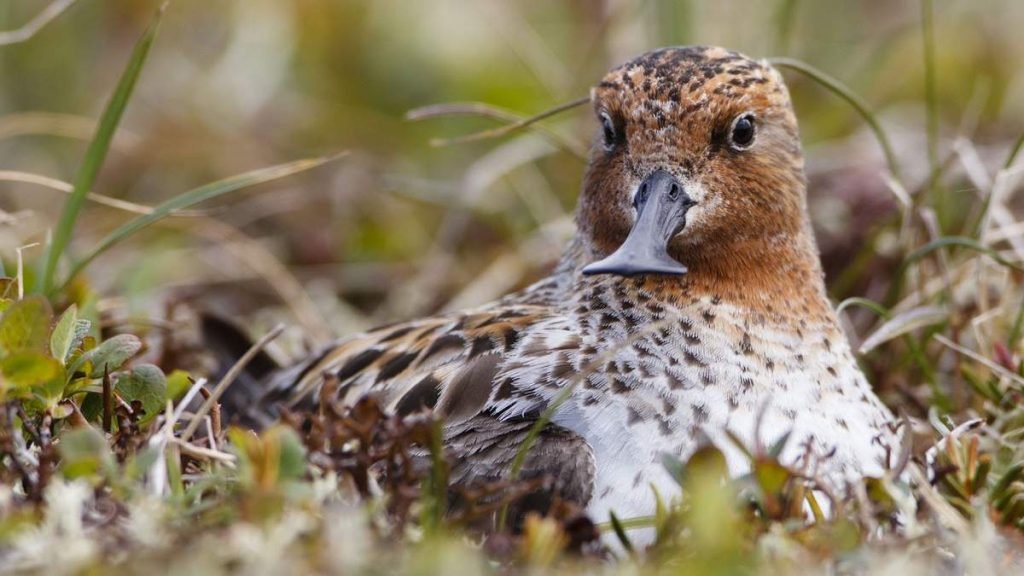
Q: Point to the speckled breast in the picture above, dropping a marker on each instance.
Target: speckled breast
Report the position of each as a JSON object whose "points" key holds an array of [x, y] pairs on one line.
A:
{"points": [[649, 377]]}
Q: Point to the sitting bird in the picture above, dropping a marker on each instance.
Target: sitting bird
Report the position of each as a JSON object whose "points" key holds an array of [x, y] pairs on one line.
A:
{"points": [[689, 308]]}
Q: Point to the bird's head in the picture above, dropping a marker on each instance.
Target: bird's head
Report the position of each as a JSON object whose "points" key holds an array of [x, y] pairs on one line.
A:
{"points": [[697, 150]]}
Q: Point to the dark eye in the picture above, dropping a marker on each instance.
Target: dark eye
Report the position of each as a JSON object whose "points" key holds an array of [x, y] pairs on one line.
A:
{"points": [[743, 130], [608, 132]]}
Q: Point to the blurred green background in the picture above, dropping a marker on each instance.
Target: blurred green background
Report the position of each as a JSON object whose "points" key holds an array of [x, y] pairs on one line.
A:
{"points": [[400, 227]]}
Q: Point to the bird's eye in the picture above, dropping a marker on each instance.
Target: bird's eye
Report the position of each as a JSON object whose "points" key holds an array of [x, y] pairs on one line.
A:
{"points": [[608, 132], [742, 135]]}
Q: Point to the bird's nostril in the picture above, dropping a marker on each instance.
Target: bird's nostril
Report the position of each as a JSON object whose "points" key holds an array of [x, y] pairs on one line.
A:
{"points": [[673, 191], [641, 195]]}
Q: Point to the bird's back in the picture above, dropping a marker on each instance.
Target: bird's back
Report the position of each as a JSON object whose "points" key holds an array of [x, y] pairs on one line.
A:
{"points": [[443, 362]]}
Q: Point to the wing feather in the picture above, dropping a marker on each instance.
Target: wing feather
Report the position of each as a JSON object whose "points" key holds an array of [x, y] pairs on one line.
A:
{"points": [[445, 362]]}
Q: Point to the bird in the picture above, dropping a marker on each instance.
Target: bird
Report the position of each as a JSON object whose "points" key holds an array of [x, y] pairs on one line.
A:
{"points": [[689, 309]]}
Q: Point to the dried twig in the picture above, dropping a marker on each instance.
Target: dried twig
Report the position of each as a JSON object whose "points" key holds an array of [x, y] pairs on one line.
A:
{"points": [[203, 454], [21, 268], [109, 201], [70, 126], [36, 24], [108, 401], [993, 366]]}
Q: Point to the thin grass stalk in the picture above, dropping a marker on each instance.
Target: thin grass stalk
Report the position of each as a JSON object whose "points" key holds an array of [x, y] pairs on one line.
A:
{"points": [[102, 199], [227, 380], [875, 307], [193, 197], [436, 491], [37, 23], [515, 122], [962, 242], [854, 100], [913, 347]]}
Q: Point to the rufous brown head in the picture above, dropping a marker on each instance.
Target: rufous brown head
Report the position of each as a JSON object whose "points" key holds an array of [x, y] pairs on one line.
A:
{"points": [[698, 149]]}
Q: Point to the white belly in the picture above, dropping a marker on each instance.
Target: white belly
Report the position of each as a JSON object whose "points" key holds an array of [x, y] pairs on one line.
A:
{"points": [[629, 453]]}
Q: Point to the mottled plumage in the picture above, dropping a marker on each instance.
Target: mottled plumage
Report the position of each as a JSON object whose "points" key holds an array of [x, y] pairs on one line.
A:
{"points": [[657, 363]]}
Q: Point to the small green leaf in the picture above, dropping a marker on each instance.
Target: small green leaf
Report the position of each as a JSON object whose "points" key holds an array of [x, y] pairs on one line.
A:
{"points": [[879, 494], [139, 464], [292, 461], [27, 369], [84, 453], [25, 325], [1012, 474], [62, 410], [147, 384], [771, 476], [776, 450], [63, 337], [112, 354], [51, 392], [620, 533], [178, 383], [709, 460], [845, 535]]}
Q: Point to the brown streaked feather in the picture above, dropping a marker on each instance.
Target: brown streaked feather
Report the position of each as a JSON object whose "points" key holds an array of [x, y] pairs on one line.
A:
{"points": [[422, 396], [451, 343], [439, 341], [484, 447], [448, 360], [469, 389]]}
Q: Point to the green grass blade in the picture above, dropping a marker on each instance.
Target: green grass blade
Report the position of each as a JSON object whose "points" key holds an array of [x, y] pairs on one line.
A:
{"points": [[96, 153], [903, 323], [1018, 326], [520, 458], [435, 493], [863, 303], [1014, 151], [513, 123], [851, 97], [620, 533], [195, 196]]}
